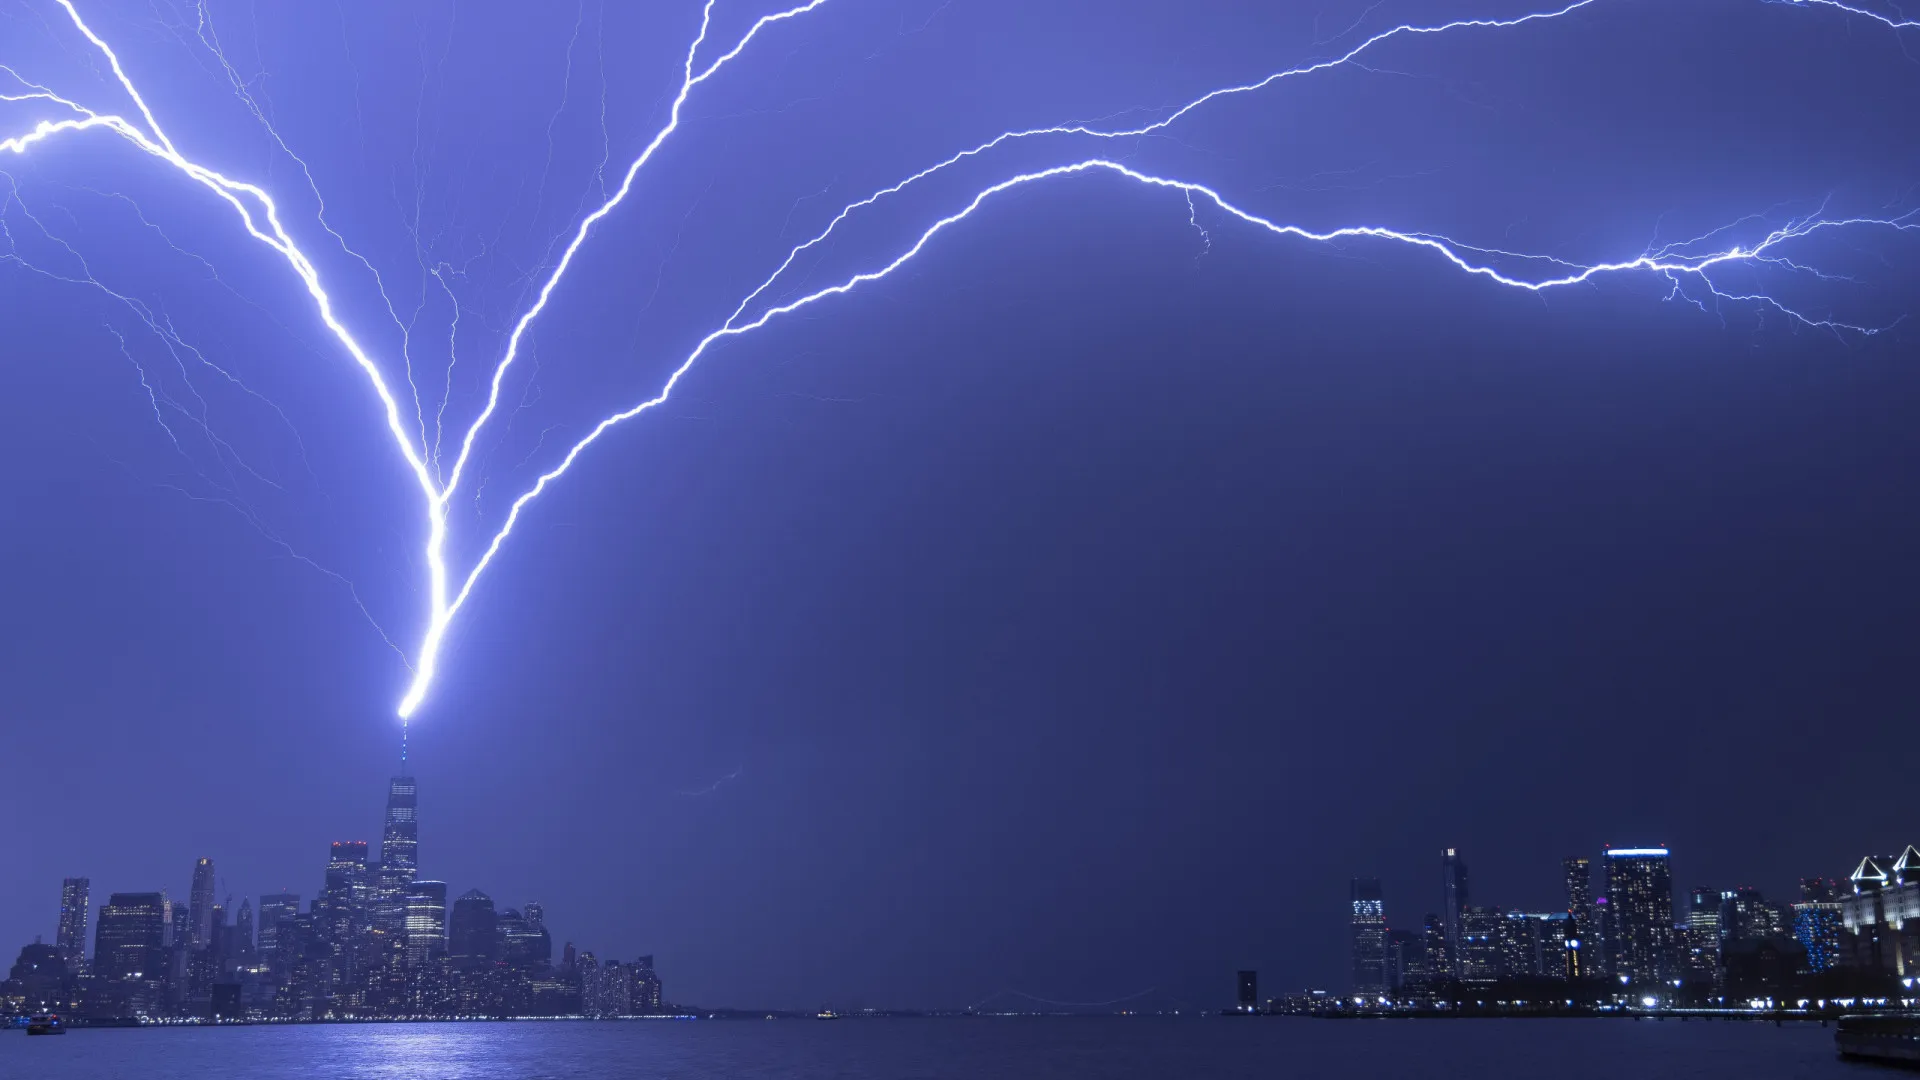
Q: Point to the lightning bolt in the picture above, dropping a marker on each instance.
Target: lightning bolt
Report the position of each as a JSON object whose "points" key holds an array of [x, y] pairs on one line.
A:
{"points": [[1694, 270]]}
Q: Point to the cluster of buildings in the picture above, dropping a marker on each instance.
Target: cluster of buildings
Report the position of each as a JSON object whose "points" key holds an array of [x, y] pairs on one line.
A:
{"points": [[378, 941], [1622, 939]]}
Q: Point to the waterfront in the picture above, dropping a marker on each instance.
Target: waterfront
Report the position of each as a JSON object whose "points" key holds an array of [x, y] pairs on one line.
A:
{"points": [[1042, 1048]]}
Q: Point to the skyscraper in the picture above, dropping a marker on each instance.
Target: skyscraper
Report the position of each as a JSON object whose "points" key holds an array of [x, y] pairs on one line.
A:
{"points": [[243, 952], [1698, 948], [130, 952], [1745, 915], [1703, 910], [1640, 888], [523, 939], [1479, 957], [200, 906], [1369, 937], [1248, 991], [426, 948], [342, 908], [473, 933], [1440, 964], [1406, 962], [1579, 874], [71, 935], [1454, 897], [473, 952], [1817, 926], [275, 909], [399, 853], [646, 986], [426, 922]]}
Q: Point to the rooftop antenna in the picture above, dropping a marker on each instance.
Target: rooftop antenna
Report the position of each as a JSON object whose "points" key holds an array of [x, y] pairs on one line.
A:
{"points": [[403, 748]]}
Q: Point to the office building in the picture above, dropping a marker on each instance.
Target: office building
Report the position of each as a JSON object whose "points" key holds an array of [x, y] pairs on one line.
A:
{"points": [[1883, 915], [1745, 915], [1640, 892], [399, 854], [1578, 872], [38, 982], [1406, 962], [1368, 937], [426, 922], [243, 953], [646, 998], [130, 954], [200, 906], [1703, 911], [428, 982], [344, 907], [1248, 986], [275, 909], [473, 931], [1534, 944], [1479, 957], [70, 936], [1453, 898], [1440, 962], [1817, 926]]}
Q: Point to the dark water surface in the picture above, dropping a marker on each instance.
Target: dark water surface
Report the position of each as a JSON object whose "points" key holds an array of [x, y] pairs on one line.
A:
{"points": [[1050, 1048]]}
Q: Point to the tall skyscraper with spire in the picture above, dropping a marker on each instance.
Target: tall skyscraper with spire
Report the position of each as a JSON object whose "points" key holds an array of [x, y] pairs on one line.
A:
{"points": [[399, 854]]}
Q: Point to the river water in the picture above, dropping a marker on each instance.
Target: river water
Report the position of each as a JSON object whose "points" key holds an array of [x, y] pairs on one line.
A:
{"points": [[1063, 1048]]}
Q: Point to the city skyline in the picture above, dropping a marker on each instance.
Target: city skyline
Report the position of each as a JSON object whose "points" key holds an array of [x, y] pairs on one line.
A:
{"points": [[375, 942], [1640, 943], [1470, 941], [1079, 608]]}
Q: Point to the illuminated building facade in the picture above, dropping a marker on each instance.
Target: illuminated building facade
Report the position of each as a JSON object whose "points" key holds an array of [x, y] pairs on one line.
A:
{"points": [[1480, 931], [130, 953], [646, 986], [1818, 927], [275, 908], [1640, 892], [1453, 898], [343, 911], [1883, 914], [1578, 872], [1534, 944], [71, 936], [1368, 941]]}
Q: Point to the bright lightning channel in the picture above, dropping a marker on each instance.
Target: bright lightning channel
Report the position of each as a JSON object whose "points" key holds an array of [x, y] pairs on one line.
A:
{"points": [[1687, 262]]}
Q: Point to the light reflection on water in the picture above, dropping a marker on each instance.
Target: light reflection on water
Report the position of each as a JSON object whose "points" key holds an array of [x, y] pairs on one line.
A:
{"points": [[942, 1049]]}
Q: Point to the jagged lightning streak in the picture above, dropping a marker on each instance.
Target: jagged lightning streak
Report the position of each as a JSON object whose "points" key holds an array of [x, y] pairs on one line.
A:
{"points": [[1670, 261], [429, 658], [1693, 261], [1895, 22], [154, 140], [1666, 261]]}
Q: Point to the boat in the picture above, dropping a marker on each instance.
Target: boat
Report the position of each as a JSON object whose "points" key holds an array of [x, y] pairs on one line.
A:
{"points": [[1889, 1040], [46, 1024]]}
